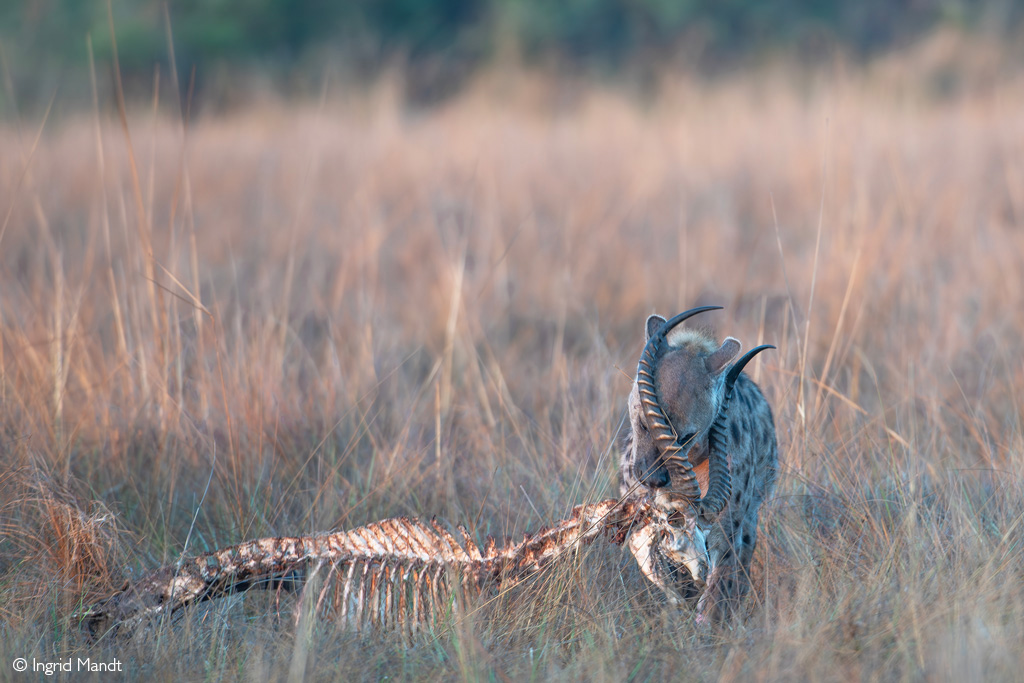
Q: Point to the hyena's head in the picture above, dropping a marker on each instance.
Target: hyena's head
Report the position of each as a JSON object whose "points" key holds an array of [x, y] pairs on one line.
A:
{"points": [[690, 385]]}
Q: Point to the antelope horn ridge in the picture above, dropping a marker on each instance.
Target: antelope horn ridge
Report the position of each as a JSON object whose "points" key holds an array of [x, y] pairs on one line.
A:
{"points": [[665, 437], [719, 479]]}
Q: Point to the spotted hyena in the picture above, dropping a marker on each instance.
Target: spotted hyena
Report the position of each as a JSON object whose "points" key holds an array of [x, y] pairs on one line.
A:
{"points": [[698, 424]]}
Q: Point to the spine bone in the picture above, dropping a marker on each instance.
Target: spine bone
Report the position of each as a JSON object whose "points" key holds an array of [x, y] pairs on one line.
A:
{"points": [[395, 571]]}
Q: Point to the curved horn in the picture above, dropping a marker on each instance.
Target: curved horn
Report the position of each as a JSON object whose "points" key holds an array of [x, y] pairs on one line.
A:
{"points": [[719, 479], [665, 438], [680, 317], [737, 367]]}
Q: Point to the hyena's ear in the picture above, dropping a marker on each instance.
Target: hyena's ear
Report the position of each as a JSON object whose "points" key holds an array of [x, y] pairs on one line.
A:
{"points": [[654, 324], [717, 361]]}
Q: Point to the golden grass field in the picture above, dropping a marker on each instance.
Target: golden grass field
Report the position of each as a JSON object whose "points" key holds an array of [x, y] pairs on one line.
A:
{"points": [[293, 318]]}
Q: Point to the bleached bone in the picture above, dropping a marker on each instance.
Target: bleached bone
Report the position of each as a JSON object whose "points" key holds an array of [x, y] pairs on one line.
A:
{"points": [[396, 572]]}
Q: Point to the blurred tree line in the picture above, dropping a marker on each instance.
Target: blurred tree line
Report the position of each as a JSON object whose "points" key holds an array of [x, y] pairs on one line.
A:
{"points": [[439, 42]]}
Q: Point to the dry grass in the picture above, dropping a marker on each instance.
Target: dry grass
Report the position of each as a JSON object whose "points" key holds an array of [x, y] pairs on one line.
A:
{"points": [[331, 314]]}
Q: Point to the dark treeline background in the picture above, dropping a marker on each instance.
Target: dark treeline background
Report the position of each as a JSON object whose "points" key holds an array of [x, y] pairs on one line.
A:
{"points": [[439, 43]]}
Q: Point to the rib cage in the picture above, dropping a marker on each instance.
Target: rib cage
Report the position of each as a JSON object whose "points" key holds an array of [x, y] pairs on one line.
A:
{"points": [[399, 572]]}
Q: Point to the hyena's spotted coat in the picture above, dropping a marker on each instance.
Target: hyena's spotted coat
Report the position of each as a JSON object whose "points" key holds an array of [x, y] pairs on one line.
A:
{"points": [[690, 380]]}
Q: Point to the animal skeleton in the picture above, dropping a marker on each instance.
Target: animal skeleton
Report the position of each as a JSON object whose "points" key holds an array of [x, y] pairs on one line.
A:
{"points": [[399, 572]]}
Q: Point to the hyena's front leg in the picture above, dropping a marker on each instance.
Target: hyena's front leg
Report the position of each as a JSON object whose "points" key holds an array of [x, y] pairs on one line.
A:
{"points": [[729, 580], [721, 596]]}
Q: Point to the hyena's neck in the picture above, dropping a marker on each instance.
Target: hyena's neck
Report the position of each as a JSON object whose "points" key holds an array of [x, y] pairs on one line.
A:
{"points": [[699, 451]]}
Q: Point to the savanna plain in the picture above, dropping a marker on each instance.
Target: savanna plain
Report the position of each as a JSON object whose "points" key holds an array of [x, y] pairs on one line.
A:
{"points": [[289, 318]]}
